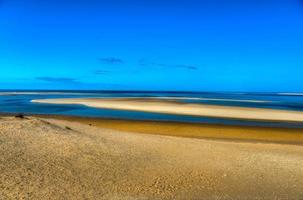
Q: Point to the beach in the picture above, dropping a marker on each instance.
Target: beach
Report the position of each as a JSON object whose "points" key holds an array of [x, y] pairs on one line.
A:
{"points": [[151, 100], [181, 108], [82, 158]]}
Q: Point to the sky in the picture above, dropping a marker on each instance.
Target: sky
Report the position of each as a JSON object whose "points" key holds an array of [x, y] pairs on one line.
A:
{"points": [[159, 45]]}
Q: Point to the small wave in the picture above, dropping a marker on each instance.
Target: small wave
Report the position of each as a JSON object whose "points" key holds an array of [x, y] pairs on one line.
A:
{"points": [[42, 93], [291, 94], [202, 99]]}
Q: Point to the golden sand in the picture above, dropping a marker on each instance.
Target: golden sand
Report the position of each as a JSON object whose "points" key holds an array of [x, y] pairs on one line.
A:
{"points": [[45, 158], [195, 130]]}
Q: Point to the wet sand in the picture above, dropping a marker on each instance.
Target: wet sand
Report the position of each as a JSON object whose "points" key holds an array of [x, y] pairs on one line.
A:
{"points": [[47, 158], [178, 108], [195, 130]]}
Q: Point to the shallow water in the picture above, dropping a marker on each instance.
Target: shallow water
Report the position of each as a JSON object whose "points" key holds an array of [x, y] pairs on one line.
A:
{"points": [[20, 102]]}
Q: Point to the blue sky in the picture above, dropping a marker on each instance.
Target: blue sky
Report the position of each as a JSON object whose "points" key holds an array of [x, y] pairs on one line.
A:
{"points": [[192, 45]]}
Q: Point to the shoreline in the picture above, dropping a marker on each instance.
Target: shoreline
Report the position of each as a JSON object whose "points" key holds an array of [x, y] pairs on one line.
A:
{"points": [[193, 130], [225, 132], [181, 108]]}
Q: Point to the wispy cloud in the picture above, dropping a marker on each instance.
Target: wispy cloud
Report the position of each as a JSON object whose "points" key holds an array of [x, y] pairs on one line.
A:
{"points": [[101, 72], [144, 62], [191, 67], [57, 79], [111, 60]]}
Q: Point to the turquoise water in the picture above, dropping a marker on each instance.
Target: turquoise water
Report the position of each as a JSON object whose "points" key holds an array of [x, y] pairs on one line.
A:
{"points": [[20, 102]]}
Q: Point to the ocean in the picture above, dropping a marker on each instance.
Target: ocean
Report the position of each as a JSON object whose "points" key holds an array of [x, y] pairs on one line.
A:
{"points": [[12, 102]]}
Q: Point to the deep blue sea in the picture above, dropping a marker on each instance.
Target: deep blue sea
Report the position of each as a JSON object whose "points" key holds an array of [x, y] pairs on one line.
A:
{"points": [[20, 102]]}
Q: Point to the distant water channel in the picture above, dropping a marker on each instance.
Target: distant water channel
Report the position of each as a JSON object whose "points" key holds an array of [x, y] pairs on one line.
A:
{"points": [[12, 102]]}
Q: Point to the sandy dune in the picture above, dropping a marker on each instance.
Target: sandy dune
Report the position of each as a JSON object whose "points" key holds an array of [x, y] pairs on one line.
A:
{"points": [[56, 159], [172, 107]]}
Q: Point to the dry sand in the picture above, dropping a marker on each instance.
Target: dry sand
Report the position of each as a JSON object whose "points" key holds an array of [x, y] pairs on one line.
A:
{"points": [[58, 159], [173, 107]]}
